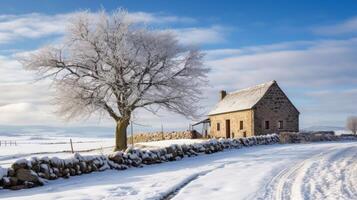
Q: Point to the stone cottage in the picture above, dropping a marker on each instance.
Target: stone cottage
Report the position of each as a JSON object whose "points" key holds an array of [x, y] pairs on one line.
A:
{"points": [[257, 110]]}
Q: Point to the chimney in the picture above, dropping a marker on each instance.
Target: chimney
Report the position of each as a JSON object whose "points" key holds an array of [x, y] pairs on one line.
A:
{"points": [[223, 94]]}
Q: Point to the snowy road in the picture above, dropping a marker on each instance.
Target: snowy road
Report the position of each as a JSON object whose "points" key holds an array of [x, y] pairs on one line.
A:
{"points": [[302, 171], [327, 171]]}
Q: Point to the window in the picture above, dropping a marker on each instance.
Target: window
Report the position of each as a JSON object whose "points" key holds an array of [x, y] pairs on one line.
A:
{"points": [[241, 125], [218, 127], [267, 125], [280, 124]]}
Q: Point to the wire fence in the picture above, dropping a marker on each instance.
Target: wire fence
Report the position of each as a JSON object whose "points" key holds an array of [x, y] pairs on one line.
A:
{"points": [[5, 143], [64, 146]]}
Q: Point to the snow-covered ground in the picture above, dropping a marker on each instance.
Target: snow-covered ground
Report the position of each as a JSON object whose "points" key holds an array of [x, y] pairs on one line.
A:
{"points": [[294, 171]]}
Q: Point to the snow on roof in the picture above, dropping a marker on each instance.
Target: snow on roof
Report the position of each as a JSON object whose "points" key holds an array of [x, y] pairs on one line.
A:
{"points": [[241, 99]]}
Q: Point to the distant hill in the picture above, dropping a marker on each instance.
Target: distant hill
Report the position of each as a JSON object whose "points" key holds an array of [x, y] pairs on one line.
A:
{"points": [[87, 131], [338, 130], [8, 130], [324, 128]]}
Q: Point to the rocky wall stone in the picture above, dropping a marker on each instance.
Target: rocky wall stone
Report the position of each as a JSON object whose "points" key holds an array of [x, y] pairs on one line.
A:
{"points": [[157, 136]]}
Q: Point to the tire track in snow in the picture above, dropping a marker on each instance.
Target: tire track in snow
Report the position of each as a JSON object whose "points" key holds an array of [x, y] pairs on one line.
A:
{"points": [[285, 185], [275, 183], [176, 189], [351, 183], [332, 177]]}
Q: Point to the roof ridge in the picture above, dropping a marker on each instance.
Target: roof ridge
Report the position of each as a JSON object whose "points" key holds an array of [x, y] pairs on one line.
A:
{"points": [[253, 87], [242, 99]]}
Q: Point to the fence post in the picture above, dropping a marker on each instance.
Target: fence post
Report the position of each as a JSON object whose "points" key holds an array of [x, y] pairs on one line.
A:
{"points": [[70, 140], [132, 134]]}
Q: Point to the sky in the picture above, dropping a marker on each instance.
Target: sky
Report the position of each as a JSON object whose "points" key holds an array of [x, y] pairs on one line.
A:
{"points": [[308, 47]]}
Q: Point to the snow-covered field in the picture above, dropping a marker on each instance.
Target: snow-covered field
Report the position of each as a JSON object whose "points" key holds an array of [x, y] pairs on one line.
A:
{"points": [[294, 171], [28, 146]]}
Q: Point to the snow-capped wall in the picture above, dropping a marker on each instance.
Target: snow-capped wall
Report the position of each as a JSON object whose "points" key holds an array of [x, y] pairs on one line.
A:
{"points": [[157, 136], [37, 171], [305, 137]]}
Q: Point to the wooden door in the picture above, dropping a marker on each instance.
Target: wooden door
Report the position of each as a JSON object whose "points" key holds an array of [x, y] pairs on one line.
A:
{"points": [[228, 128]]}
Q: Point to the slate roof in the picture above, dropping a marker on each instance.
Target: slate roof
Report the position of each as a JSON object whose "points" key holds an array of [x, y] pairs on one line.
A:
{"points": [[242, 99]]}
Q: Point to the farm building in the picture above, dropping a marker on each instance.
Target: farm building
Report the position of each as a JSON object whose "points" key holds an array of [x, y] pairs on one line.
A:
{"points": [[257, 110]]}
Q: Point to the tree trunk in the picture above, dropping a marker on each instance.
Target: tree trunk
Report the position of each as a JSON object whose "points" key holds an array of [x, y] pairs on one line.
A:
{"points": [[120, 134]]}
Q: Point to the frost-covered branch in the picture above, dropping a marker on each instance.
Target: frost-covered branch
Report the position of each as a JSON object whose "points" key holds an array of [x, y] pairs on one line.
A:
{"points": [[107, 64]]}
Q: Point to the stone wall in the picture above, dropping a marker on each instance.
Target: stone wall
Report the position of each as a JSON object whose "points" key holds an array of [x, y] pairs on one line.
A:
{"points": [[274, 107], [37, 171], [157, 136], [306, 137]]}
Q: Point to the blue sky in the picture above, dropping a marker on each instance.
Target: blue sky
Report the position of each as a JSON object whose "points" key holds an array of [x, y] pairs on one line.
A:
{"points": [[259, 22], [309, 47], [250, 22]]}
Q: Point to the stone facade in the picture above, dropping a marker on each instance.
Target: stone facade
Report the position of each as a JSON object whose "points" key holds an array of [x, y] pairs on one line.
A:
{"points": [[235, 120], [275, 108], [272, 113]]}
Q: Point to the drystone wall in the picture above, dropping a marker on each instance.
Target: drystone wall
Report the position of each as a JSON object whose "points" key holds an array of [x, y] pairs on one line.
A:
{"points": [[37, 171], [157, 136], [318, 136]]}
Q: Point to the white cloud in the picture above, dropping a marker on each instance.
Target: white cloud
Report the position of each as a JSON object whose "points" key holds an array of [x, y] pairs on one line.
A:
{"points": [[11, 71], [345, 27], [36, 25], [151, 18], [322, 63], [197, 35], [330, 107], [33, 25], [24, 113], [215, 54]]}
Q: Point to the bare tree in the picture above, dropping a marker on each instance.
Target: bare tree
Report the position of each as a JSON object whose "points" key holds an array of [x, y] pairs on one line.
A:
{"points": [[352, 124], [107, 64]]}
